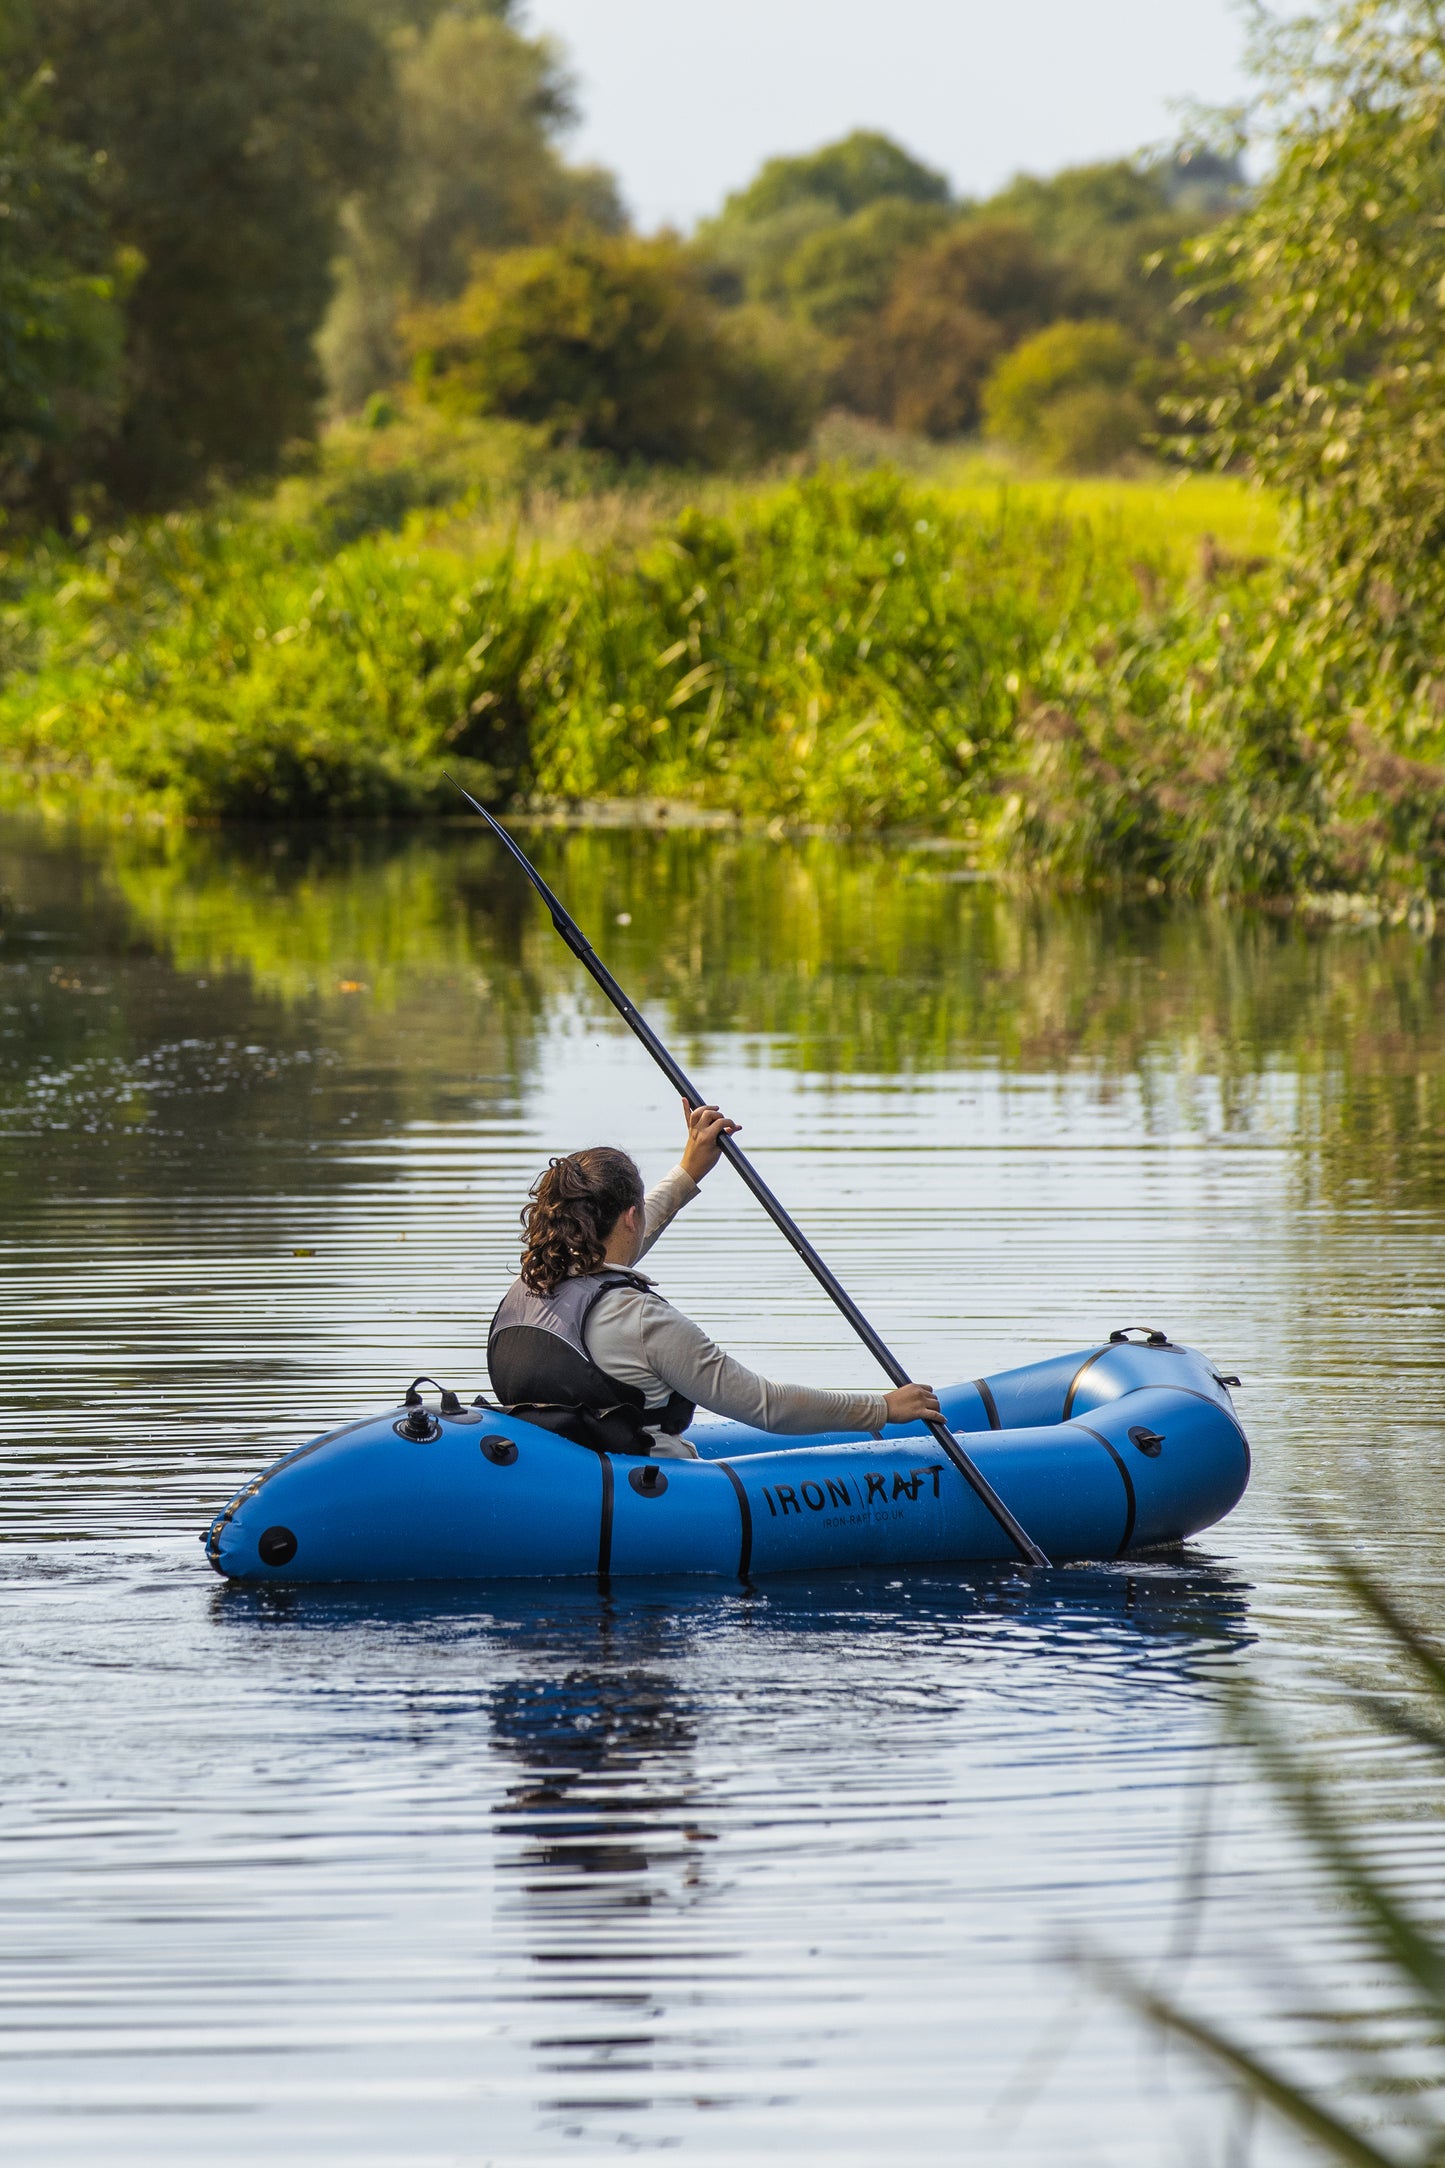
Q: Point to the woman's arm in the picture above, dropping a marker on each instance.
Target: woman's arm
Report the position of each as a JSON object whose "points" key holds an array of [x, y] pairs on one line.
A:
{"points": [[662, 1204], [680, 1353], [706, 1127]]}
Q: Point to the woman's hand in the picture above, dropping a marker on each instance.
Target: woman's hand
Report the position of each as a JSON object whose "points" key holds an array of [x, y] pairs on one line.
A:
{"points": [[705, 1129], [906, 1403]]}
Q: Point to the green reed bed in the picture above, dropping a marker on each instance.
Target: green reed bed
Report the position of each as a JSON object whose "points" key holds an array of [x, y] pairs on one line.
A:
{"points": [[1050, 684]]}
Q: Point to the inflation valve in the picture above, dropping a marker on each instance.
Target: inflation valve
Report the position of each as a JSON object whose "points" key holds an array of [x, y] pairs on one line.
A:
{"points": [[419, 1424]]}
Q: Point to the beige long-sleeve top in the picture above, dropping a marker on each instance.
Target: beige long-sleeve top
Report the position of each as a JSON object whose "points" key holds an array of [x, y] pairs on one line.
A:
{"points": [[642, 1341]]}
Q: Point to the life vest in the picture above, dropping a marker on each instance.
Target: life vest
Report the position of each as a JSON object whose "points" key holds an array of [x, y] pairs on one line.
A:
{"points": [[540, 1368]]}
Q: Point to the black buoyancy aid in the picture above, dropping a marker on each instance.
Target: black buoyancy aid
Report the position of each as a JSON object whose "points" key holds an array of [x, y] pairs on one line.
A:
{"points": [[540, 1368]]}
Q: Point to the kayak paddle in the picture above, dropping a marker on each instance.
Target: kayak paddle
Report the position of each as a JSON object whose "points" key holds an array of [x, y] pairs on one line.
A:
{"points": [[887, 1361]]}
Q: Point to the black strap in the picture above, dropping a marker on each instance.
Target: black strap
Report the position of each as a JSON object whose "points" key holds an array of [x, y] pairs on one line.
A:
{"points": [[604, 1524], [676, 1412], [1077, 1380], [451, 1405], [990, 1406], [745, 1517], [1130, 1503]]}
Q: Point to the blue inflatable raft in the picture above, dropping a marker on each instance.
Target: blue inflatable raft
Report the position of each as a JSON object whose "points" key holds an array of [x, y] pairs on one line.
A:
{"points": [[1123, 1447]]}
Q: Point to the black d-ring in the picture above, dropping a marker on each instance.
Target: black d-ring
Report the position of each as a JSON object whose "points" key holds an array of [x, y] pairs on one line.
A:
{"points": [[648, 1482], [1149, 1442], [501, 1452]]}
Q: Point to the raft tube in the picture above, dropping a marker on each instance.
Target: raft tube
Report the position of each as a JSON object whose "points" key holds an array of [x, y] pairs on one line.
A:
{"points": [[1123, 1447]]}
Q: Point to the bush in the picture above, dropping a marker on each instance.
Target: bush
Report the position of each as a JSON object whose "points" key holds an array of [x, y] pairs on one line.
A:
{"points": [[1068, 397], [1092, 430], [614, 344]]}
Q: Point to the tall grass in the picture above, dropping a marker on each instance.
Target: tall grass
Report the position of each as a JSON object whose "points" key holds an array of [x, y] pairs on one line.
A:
{"points": [[1381, 2101], [839, 651], [1054, 678]]}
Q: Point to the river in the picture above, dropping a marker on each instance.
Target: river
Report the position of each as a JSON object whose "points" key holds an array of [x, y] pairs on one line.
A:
{"points": [[810, 1870]]}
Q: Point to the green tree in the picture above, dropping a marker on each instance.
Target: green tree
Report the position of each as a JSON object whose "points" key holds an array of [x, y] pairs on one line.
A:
{"points": [[61, 328], [1069, 397], [612, 343], [953, 310], [229, 135], [843, 273], [794, 203], [751, 259], [1331, 288], [857, 170], [476, 167], [1069, 208], [1119, 226]]}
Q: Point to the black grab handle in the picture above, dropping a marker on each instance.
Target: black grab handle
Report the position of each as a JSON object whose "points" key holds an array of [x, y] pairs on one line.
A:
{"points": [[450, 1403], [1154, 1337]]}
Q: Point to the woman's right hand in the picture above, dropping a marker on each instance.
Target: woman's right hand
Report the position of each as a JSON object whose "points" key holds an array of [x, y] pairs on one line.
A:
{"points": [[706, 1128], [906, 1403]]}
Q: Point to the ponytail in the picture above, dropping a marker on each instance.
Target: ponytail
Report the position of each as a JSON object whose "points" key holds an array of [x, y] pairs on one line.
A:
{"points": [[574, 1207]]}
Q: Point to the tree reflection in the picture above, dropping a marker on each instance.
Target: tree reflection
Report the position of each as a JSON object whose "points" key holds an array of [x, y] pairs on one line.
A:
{"points": [[849, 958]]}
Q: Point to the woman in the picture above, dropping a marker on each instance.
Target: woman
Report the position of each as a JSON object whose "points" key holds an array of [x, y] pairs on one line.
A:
{"points": [[586, 1346]]}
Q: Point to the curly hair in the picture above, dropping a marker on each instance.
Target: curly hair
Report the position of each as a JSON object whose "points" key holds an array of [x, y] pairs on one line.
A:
{"points": [[574, 1207]]}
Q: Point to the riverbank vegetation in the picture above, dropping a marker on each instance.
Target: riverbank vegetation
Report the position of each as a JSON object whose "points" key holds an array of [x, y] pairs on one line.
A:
{"points": [[840, 650], [547, 551]]}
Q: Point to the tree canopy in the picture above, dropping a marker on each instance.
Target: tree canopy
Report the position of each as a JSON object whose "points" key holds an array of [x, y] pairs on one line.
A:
{"points": [[842, 273], [858, 169], [61, 327], [221, 212], [922, 294], [227, 137], [953, 309], [1330, 287], [475, 166]]}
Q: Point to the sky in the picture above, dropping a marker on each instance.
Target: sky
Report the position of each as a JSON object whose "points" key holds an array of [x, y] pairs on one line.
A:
{"points": [[683, 99]]}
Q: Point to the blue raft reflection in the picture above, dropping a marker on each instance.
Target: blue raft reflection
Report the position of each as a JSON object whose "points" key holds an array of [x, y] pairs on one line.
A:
{"points": [[1108, 1450]]}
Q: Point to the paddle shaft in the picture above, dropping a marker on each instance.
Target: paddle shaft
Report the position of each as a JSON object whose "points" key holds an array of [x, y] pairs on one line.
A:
{"points": [[782, 1219]]}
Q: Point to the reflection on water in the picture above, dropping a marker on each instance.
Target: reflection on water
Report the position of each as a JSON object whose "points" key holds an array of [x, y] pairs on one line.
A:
{"points": [[389, 1875]]}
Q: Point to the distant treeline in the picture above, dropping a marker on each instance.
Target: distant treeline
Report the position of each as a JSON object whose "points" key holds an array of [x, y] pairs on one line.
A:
{"points": [[219, 219], [848, 278], [211, 211]]}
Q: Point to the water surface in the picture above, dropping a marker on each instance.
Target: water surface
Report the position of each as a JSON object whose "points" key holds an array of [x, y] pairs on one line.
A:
{"points": [[467, 1874]]}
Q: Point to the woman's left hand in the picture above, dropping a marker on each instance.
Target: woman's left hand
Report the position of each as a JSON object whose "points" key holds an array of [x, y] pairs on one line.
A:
{"points": [[706, 1127]]}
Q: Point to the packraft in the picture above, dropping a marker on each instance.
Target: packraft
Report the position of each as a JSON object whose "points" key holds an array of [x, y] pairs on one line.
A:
{"points": [[1129, 1446]]}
